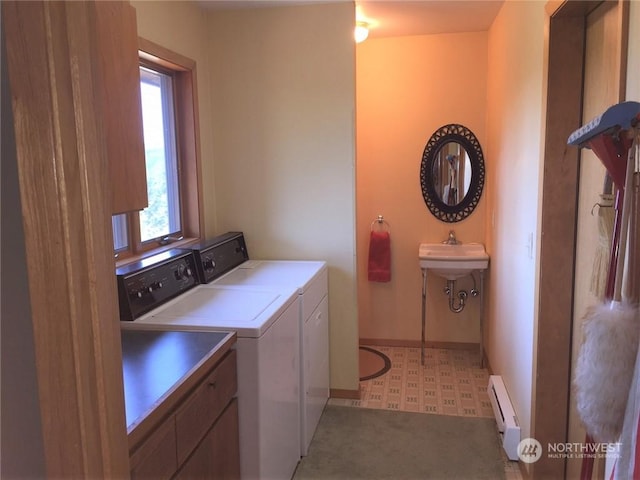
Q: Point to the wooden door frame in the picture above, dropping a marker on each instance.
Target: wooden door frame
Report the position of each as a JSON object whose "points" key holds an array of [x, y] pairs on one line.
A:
{"points": [[60, 147], [565, 41]]}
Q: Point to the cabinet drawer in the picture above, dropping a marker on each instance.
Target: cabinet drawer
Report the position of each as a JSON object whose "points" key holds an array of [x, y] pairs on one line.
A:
{"points": [[156, 457], [204, 405]]}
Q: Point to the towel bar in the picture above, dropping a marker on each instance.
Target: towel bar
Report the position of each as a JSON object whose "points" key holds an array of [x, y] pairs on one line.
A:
{"points": [[380, 221]]}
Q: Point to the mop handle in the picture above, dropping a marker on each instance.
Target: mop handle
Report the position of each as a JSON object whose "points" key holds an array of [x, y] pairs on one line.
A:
{"points": [[613, 251], [633, 265], [624, 227]]}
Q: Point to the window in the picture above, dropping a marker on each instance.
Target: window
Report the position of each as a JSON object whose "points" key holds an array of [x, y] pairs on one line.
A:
{"points": [[167, 86], [162, 217]]}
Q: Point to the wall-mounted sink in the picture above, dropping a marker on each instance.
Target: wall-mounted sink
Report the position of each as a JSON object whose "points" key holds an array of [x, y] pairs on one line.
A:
{"points": [[453, 261]]}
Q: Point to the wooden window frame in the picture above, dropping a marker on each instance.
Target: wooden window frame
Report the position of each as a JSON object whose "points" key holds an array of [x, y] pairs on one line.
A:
{"points": [[184, 74]]}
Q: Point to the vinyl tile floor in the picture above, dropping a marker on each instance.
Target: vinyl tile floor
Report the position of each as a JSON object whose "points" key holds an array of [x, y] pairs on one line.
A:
{"points": [[451, 382]]}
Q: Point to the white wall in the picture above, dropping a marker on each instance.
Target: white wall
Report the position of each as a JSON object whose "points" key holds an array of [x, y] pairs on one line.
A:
{"points": [[283, 103], [514, 119], [633, 93]]}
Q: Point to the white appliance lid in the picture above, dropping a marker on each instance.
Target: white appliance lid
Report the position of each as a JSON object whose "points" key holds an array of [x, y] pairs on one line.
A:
{"points": [[248, 311], [278, 273]]}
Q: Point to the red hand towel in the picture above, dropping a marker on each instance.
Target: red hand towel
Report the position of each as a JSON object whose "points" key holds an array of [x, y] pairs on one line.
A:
{"points": [[380, 257]]}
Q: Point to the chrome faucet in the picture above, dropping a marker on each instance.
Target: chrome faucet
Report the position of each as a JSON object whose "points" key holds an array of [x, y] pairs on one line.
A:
{"points": [[451, 240]]}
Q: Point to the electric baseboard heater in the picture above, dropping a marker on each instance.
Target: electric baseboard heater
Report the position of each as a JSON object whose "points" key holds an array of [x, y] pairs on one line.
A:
{"points": [[505, 416]]}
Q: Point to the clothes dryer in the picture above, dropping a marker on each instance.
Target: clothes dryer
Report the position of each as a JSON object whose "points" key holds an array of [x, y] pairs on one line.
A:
{"points": [[224, 261]]}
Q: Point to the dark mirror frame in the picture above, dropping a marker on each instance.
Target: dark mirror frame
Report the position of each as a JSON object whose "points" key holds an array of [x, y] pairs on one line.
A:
{"points": [[465, 137]]}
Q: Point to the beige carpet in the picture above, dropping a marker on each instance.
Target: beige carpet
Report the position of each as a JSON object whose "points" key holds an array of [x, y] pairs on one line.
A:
{"points": [[356, 443]]}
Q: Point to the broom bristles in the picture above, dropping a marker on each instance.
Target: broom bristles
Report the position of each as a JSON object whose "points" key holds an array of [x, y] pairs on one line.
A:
{"points": [[604, 369]]}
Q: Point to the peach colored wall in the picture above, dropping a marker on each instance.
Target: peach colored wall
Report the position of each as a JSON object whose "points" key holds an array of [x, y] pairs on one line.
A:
{"points": [[407, 88]]}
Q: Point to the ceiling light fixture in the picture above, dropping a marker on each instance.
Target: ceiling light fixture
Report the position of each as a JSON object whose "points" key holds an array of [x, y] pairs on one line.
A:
{"points": [[361, 32]]}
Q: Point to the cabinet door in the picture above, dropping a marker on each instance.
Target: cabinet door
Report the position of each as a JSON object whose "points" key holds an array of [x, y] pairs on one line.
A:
{"points": [[156, 457], [226, 444], [121, 105], [201, 409], [218, 455]]}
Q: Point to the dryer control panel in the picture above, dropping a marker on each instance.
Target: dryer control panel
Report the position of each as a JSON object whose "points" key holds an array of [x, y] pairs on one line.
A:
{"points": [[147, 284], [217, 256]]}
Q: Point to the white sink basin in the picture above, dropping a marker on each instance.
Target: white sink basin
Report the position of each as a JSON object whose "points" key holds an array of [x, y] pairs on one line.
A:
{"points": [[453, 261]]}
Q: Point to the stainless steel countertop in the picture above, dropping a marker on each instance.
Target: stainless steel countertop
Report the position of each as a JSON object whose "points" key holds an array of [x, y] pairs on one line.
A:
{"points": [[156, 363]]}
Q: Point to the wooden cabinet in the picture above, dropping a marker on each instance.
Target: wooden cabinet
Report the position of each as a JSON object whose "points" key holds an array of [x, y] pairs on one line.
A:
{"points": [[217, 456], [156, 457], [199, 438], [195, 417], [121, 106]]}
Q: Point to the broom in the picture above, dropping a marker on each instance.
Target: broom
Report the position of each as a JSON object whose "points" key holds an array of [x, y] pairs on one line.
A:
{"points": [[606, 135], [605, 364]]}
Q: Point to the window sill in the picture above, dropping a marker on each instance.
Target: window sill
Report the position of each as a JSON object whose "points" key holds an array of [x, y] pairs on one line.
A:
{"points": [[184, 243]]}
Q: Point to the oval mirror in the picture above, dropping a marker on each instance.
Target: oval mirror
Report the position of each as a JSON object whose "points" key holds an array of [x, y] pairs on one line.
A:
{"points": [[452, 173]]}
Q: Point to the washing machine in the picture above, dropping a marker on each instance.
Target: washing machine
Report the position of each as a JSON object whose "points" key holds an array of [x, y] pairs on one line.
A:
{"points": [[224, 261], [267, 324]]}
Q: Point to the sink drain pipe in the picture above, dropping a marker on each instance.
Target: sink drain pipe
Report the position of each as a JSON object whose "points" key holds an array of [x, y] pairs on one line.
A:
{"points": [[462, 297], [450, 290]]}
